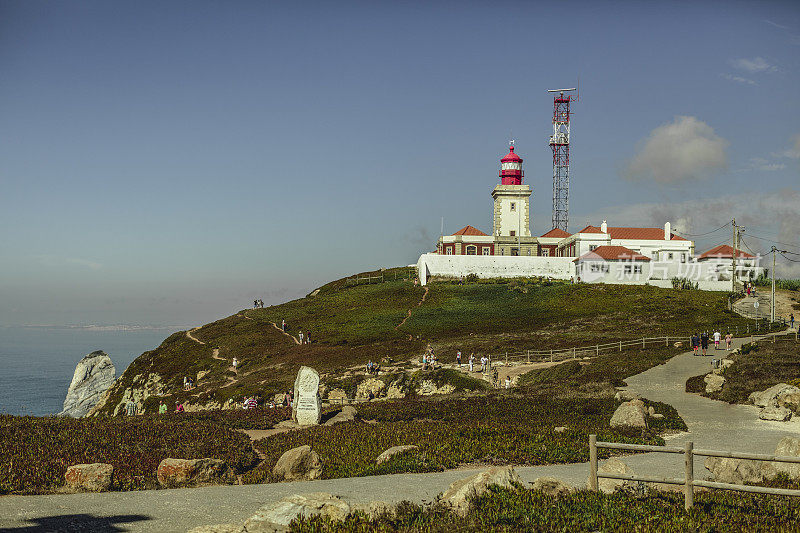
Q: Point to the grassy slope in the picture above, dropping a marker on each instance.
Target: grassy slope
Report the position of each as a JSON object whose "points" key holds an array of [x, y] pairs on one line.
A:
{"points": [[351, 324]]}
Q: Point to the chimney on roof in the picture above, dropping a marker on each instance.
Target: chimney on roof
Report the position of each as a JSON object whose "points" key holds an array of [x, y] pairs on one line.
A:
{"points": [[667, 231], [604, 227]]}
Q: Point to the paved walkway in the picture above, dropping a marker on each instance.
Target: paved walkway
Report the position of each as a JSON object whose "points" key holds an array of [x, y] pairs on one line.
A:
{"points": [[711, 424]]}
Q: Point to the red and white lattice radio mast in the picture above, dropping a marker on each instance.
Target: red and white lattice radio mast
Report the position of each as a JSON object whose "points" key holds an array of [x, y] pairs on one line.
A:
{"points": [[559, 142]]}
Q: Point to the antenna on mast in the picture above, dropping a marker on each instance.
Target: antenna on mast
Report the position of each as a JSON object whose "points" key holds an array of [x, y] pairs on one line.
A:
{"points": [[559, 142]]}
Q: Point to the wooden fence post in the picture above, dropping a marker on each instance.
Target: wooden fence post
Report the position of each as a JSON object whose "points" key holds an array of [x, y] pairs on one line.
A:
{"points": [[593, 462], [620, 346], [506, 358], [642, 342], [598, 348], [573, 353], [529, 356], [551, 355], [689, 471]]}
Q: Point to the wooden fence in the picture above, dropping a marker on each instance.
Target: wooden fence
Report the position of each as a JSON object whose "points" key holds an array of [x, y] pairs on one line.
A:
{"points": [[688, 481], [399, 274]]}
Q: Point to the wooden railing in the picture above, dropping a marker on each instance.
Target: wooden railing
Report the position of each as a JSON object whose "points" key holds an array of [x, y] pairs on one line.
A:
{"points": [[688, 481]]}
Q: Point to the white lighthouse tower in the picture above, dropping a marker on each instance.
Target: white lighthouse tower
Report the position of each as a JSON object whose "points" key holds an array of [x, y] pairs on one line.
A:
{"points": [[511, 213]]}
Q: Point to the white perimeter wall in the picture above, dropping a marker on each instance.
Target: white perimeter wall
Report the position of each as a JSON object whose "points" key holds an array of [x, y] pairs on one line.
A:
{"points": [[494, 266]]}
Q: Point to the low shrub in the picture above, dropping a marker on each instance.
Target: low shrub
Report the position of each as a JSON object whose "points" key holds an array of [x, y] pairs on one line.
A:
{"points": [[696, 384]]}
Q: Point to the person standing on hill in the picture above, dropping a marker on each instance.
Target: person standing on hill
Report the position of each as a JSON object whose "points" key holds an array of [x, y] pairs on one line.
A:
{"points": [[717, 337], [728, 339], [162, 408], [130, 409], [235, 365], [300, 336], [179, 407], [508, 382], [695, 343], [704, 342], [471, 362], [283, 325], [791, 321]]}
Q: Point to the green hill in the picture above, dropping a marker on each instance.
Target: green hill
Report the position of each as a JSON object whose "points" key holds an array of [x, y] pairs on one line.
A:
{"points": [[350, 324]]}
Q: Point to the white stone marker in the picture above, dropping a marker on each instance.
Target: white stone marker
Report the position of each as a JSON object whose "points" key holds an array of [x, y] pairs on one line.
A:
{"points": [[307, 406]]}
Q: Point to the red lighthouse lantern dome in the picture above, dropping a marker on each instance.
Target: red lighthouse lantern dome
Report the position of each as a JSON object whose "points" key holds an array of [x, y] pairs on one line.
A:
{"points": [[511, 169]]}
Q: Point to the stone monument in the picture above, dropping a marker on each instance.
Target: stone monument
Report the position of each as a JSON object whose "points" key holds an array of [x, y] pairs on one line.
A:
{"points": [[307, 406]]}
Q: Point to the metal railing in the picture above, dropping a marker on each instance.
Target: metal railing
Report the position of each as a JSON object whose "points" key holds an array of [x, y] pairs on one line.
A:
{"points": [[688, 481]]}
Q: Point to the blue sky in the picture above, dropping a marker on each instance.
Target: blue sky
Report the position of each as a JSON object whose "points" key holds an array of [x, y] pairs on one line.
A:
{"points": [[167, 162]]}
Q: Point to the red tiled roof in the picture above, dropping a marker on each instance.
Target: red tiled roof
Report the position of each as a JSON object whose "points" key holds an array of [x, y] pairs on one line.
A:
{"points": [[469, 230], [556, 232], [724, 251], [651, 234], [591, 229], [613, 253]]}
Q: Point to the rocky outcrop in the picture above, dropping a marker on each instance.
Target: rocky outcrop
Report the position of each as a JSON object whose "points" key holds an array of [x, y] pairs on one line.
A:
{"points": [[194, 472], [460, 492], [770, 396], [396, 390], [790, 400], [630, 414], [552, 486], [394, 450], [778, 414], [142, 387], [736, 471], [788, 447], [95, 477], [337, 394], [625, 396], [615, 466], [277, 516], [347, 414], [428, 388], [93, 376], [301, 463], [714, 383], [370, 385]]}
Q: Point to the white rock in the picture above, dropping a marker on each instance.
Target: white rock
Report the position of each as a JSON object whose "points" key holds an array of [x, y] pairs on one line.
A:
{"points": [[347, 414], [142, 387], [428, 387], [93, 375], [391, 452], [373, 385], [736, 471], [277, 516], [788, 447], [779, 414], [552, 486], [460, 492], [625, 396], [629, 414], [714, 383], [770, 396], [614, 465], [301, 463]]}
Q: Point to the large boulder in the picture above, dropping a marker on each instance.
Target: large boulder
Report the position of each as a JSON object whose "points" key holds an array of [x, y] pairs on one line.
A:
{"points": [[770, 396], [714, 383], [337, 394], [615, 465], [370, 385], [347, 414], [94, 477], [93, 375], [276, 516], [552, 486], [625, 396], [173, 473], [778, 414], [301, 463], [790, 400], [460, 492], [736, 471], [788, 447], [394, 450], [629, 414]]}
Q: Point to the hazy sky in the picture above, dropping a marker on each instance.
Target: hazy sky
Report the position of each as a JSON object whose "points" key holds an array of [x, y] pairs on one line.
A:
{"points": [[167, 162]]}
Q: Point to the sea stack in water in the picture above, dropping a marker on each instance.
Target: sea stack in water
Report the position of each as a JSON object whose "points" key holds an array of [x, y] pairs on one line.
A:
{"points": [[307, 406], [93, 375]]}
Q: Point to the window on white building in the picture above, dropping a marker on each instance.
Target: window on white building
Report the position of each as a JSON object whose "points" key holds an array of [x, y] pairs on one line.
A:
{"points": [[472, 250], [628, 269], [546, 252], [513, 233], [669, 256], [592, 247], [637, 269], [487, 250], [449, 251], [683, 258], [513, 206]]}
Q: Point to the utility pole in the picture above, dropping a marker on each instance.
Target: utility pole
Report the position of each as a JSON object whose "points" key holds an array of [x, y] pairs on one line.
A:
{"points": [[733, 266], [772, 305]]}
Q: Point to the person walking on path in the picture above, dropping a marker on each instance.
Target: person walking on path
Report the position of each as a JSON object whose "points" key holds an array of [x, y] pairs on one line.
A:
{"points": [[130, 409], [728, 340], [179, 407], [458, 358], [235, 364], [283, 325], [695, 343], [791, 321], [471, 362], [704, 342], [308, 337], [162, 408], [300, 336], [483, 364], [717, 337], [508, 382]]}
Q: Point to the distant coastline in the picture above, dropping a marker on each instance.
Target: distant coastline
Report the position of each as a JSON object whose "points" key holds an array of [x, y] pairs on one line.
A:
{"points": [[105, 327]]}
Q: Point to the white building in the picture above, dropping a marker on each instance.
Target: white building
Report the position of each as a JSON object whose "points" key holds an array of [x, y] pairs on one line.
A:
{"points": [[720, 259], [612, 264], [659, 244]]}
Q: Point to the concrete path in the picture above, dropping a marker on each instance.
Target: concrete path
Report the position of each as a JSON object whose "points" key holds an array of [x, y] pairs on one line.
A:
{"points": [[711, 424]]}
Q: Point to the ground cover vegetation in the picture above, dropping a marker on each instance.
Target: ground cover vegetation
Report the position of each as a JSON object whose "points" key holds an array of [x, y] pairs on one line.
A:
{"points": [[757, 367], [37, 451], [497, 428], [350, 324], [520, 509]]}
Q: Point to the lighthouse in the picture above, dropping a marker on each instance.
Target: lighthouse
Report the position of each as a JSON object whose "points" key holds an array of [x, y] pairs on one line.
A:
{"points": [[511, 213]]}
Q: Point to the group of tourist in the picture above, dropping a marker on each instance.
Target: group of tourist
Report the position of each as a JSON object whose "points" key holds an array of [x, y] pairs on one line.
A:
{"points": [[188, 383], [429, 359], [373, 368], [258, 304], [701, 341], [303, 338]]}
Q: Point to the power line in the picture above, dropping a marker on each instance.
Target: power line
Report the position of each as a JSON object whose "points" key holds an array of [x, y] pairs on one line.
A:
{"points": [[701, 234], [774, 241], [790, 259]]}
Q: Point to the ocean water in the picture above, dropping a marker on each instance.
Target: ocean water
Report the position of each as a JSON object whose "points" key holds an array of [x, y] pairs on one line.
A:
{"points": [[36, 364]]}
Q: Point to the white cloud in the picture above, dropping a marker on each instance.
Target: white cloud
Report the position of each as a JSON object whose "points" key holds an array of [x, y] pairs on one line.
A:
{"points": [[753, 66], [776, 24], [794, 151], [763, 165], [51, 261], [686, 149], [739, 79]]}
